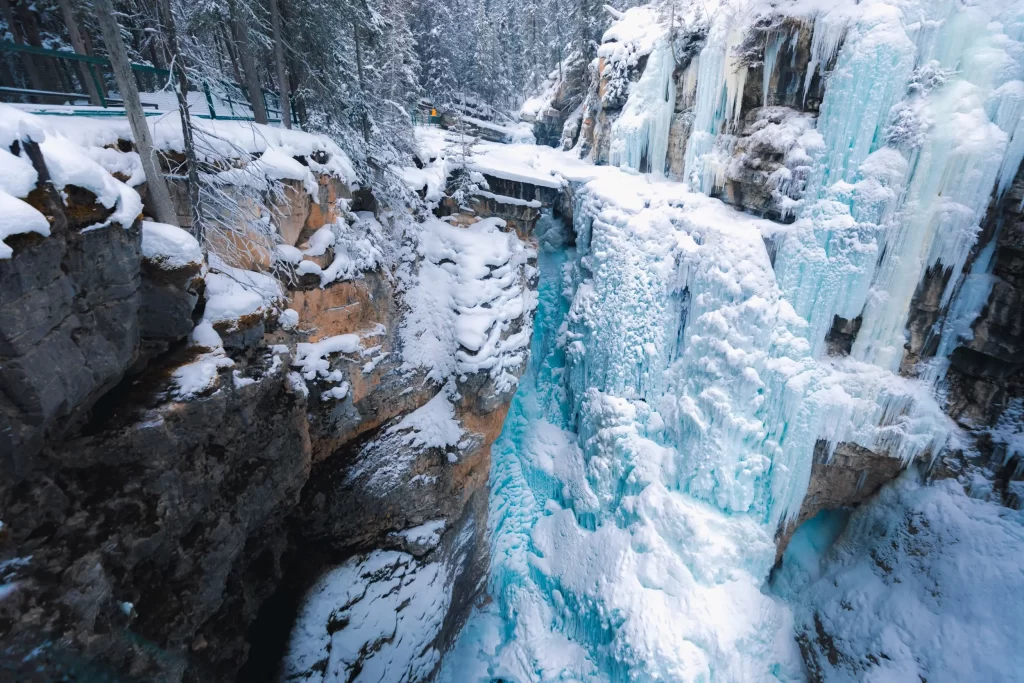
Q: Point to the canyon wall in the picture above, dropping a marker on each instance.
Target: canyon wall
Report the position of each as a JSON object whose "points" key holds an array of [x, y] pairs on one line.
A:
{"points": [[189, 444], [880, 146], [758, 159]]}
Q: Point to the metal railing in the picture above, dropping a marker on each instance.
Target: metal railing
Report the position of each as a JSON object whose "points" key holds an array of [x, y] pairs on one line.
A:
{"points": [[423, 119], [226, 93]]}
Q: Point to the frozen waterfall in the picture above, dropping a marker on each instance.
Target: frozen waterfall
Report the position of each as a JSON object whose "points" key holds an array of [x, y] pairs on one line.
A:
{"points": [[678, 383]]}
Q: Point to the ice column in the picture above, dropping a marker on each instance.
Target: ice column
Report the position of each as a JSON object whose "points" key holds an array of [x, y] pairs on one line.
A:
{"points": [[964, 158], [720, 81], [639, 136]]}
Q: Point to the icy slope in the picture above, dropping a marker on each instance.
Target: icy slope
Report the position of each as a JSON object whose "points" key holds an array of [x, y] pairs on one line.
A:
{"points": [[924, 584]]}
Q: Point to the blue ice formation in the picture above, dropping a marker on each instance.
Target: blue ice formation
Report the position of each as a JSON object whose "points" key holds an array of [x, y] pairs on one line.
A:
{"points": [[678, 385]]}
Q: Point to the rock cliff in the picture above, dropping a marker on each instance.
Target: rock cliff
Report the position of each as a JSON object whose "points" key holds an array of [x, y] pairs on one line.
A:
{"points": [[759, 158], [189, 444]]}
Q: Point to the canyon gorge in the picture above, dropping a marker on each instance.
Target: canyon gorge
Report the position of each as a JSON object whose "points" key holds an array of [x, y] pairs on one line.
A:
{"points": [[706, 368]]}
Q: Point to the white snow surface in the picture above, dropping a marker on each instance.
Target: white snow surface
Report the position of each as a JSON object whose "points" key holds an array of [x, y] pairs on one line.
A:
{"points": [[432, 425], [427, 534], [169, 246], [358, 247], [312, 358], [16, 218], [515, 133], [383, 610], [232, 293], [215, 140], [464, 295], [200, 375], [320, 360], [924, 583], [536, 105]]}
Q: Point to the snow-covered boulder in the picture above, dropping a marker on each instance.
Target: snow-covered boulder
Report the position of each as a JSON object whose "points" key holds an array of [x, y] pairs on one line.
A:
{"points": [[172, 263]]}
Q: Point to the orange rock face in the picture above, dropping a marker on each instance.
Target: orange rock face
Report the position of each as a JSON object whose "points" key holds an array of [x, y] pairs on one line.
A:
{"points": [[325, 210], [341, 307]]}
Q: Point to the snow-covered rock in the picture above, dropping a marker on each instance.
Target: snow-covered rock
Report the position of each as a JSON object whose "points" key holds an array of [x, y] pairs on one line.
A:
{"points": [[67, 164], [374, 618], [918, 578]]}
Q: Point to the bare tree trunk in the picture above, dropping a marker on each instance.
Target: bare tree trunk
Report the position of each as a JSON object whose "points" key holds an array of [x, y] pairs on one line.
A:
{"points": [[6, 78], [76, 42], [231, 54], [156, 188], [100, 84], [295, 72], [362, 90], [282, 76], [31, 68], [178, 64], [45, 67], [249, 72]]}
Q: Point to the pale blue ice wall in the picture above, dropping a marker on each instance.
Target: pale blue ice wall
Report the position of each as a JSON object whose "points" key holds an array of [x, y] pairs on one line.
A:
{"points": [[679, 384]]}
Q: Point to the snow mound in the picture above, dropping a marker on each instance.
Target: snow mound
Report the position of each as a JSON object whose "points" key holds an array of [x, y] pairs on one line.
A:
{"points": [[67, 163], [469, 304], [371, 619], [18, 218], [169, 246], [433, 425], [313, 359], [233, 293], [426, 535], [216, 140], [358, 246], [201, 374]]}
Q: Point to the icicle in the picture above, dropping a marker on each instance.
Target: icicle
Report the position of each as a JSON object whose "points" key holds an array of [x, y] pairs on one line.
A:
{"points": [[771, 55], [735, 79], [720, 82], [1009, 116], [828, 33], [639, 136]]}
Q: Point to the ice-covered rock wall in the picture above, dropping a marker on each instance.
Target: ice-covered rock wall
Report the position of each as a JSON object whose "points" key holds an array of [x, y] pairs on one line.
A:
{"points": [[714, 378], [880, 137]]}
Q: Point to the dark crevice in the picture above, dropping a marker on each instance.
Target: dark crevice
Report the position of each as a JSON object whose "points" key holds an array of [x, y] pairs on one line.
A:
{"points": [[269, 633]]}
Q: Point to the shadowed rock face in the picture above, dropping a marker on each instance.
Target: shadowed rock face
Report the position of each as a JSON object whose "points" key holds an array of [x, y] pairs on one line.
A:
{"points": [[68, 319], [987, 373], [170, 515], [850, 477]]}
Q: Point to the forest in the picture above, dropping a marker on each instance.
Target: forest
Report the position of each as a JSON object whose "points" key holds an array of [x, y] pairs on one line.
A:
{"points": [[355, 71]]}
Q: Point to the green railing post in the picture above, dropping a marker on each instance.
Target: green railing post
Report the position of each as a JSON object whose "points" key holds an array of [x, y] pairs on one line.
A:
{"points": [[209, 101]]}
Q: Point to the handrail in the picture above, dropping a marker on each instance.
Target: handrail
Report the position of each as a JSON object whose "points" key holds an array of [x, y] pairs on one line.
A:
{"points": [[56, 93], [92, 62], [45, 52]]}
